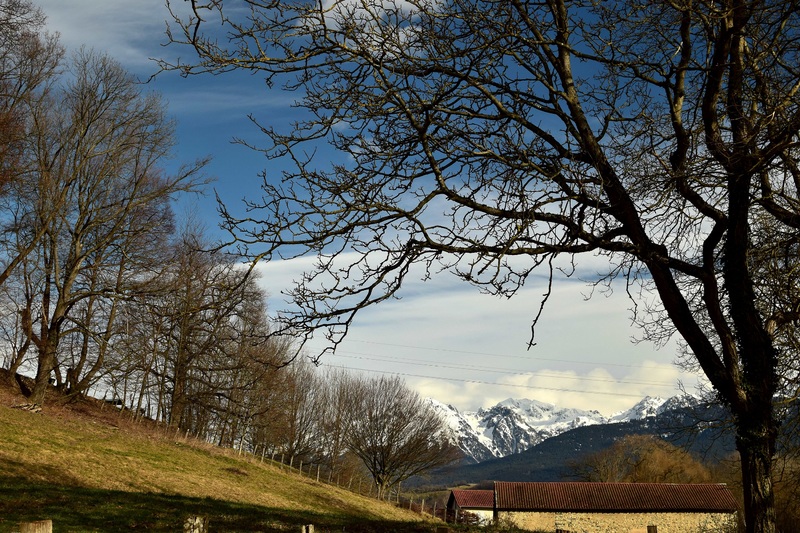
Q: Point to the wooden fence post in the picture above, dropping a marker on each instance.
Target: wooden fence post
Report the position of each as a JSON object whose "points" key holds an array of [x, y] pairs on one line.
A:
{"points": [[196, 524], [40, 526]]}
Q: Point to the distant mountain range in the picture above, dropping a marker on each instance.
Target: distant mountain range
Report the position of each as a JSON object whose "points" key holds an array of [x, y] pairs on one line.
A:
{"points": [[516, 425], [527, 440]]}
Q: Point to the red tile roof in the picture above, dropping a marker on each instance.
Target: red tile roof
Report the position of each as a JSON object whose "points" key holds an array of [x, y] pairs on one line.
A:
{"points": [[473, 499], [614, 497]]}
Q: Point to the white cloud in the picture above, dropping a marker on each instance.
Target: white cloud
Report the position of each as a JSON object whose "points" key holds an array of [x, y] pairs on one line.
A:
{"points": [[469, 349], [129, 31]]}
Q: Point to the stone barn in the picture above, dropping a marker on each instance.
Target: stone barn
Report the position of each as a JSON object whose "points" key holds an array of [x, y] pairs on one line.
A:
{"points": [[477, 502], [617, 507]]}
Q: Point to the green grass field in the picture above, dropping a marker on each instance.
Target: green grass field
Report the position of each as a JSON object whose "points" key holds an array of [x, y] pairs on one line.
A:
{"points": [[97, 471]]}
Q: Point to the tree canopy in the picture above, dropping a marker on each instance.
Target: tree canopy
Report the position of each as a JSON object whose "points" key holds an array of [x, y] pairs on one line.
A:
{"points": [[489, 138], [642, 459], [394, 432]]}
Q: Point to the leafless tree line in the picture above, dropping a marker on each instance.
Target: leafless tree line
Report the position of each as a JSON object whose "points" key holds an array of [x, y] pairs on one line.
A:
{"points": [[103, 293], [350, 426], [101, 289], [88, 233]]}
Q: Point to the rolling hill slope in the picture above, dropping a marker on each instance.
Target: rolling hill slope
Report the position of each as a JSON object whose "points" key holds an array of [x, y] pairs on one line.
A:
{"points": [[92, 470]]}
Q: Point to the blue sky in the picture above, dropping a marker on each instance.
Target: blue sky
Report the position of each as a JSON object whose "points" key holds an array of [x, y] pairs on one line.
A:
{"points": [[449, 341]]}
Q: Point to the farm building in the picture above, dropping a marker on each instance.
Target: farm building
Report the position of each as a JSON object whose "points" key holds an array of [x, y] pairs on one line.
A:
{"points": [[477, 502], [616, 507]]}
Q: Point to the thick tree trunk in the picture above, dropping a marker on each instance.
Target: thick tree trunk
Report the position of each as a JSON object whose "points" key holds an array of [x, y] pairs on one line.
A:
{"points": [[756, 444], [44, 370], [42, 380]]}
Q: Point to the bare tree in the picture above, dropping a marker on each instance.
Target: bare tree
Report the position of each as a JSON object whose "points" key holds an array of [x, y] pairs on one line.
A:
{"points": [[17, 298], [299, 408], [249, 383], [395, 433], [101, 205], [263, 395], [489, 138], [787, 489], [29, 64], [642, 459], [339, 400], [192, 346], [203, 293]]}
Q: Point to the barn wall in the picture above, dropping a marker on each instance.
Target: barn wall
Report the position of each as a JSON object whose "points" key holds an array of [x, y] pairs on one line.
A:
{"points": [[623, 522], [484, 515]]}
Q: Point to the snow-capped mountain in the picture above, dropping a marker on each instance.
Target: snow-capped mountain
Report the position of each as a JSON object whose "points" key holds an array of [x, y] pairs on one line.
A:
{"points": [[514, 425], [646, 407], [654, 406]]}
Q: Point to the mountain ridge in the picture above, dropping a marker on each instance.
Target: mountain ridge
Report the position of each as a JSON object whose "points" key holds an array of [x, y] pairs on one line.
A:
{"points": [[686, 422], [514, 426]]}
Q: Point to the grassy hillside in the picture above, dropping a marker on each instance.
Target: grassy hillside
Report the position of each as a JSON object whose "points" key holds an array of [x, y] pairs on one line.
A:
{"points": [[93, 470]]}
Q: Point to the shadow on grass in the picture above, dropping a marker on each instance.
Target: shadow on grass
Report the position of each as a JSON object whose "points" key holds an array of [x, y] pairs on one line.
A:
{"points": [[79, 509]]}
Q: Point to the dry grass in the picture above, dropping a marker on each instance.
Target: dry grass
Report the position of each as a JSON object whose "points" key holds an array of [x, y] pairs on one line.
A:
{"points": [[96, 470]]}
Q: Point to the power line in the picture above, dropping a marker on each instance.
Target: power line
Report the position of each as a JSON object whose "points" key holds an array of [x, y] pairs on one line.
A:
{"points": [[450, 350], [527, 387]]}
